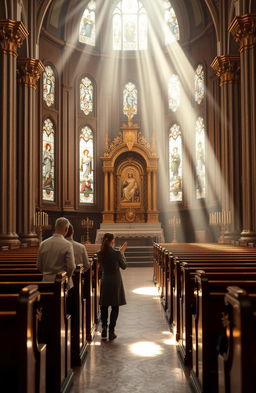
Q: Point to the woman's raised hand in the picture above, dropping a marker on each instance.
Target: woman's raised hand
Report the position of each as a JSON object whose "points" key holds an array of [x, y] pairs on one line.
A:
{"points": [[123, 247]]}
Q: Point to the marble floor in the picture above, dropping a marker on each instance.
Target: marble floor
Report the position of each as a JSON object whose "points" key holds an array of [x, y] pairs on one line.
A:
{"points": [[143, 358]]}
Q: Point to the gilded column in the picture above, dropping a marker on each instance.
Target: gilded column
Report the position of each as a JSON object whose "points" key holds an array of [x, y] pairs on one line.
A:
{"points": [[111, 185], [12, 34], [29, 71], [106, 192], [243, 29], [149, 192], [154, 192], [227, 68]]}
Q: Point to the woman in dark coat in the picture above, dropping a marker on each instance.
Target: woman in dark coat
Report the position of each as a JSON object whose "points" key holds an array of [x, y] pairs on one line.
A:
{"points": [[112, 290]]}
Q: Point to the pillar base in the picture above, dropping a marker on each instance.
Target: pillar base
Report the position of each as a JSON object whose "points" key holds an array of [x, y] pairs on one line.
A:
{"points": [[31, 239], [108, 218], [11, 240], [228, 237], [247, 237], [152, 217]]}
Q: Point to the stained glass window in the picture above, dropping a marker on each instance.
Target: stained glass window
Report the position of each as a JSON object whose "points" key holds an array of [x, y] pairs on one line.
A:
{"points": [[130, 99], [49, 86], [172, 31], [130, 26], [174, 92], [199, 84], [86, 166], [175, 164], [87, 25], [86, 95], [48, 173], [200, 158]]}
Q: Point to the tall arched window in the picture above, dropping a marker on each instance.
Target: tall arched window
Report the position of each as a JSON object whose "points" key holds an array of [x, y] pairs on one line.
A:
{"points": [[86, 167], [87, 25], [174, 92], [175, 164], [172, 31], [49, 86], [130, 99], [48, 161], [86, 96], [199, 84], [130, 26], [200, 158]]}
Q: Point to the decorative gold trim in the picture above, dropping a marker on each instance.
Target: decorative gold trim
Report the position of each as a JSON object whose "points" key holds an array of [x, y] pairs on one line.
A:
{"points": [[227, 68], [29, 71], [12, 34], [243, 28]]}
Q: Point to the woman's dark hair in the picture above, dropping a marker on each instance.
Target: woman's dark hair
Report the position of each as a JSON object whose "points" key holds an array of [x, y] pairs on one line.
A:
{"points": [[107, 239]]}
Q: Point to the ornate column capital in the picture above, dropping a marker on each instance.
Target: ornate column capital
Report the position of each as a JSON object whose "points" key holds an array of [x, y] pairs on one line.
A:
{"points": [[12, 34], [243, 28], [227, 68], [29, 71]]}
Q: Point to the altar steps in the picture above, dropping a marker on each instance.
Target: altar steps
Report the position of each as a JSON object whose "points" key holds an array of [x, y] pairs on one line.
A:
{"points": [[139, 256]]}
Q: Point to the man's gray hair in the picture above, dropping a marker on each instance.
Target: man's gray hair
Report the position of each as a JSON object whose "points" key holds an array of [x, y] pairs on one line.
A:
{"points": [[61, 224]]}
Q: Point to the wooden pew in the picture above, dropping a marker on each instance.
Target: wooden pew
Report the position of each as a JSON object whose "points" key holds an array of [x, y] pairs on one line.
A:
{"points": [[237, 360], [209, 295], [89, 295], [176, 280], [22, 359], [78, 319], [54, 329], [187, 284]]}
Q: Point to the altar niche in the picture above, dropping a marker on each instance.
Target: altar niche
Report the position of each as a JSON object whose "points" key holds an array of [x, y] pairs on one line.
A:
{"points": [[130, 170]]}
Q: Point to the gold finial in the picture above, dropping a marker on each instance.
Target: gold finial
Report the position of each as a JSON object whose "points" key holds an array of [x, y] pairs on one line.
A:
{"points": [[129, 112]]}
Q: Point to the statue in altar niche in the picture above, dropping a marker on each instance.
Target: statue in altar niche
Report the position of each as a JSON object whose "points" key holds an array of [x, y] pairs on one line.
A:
{"points": [[130, 186]]}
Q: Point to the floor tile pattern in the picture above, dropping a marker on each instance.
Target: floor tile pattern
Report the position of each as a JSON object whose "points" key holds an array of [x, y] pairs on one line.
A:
{"points": [[143, 358]]}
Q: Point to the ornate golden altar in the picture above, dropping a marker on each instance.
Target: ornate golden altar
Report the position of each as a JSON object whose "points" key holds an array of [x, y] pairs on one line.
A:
{"points": [[130, 185]]}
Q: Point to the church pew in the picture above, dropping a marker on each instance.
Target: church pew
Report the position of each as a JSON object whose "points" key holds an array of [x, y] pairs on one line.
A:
{"points": [[236, 360], [89, 296], [199, 264], [78, 319], [96, 286], [186, 299], [207, 327], [22, 359], [59, 375], [78, 344]]}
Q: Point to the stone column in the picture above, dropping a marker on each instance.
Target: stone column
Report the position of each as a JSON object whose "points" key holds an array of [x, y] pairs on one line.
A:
{"points": [[12, 34], [243, 29], [29, 71], [227, 68]]}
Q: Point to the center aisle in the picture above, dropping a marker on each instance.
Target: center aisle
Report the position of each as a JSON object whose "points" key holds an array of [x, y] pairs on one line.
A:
{"points": [[143, 358]]}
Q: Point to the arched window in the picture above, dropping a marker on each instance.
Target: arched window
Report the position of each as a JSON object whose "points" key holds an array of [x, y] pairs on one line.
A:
{"points": [[199, 84], [48, 161], [172, 31], [130, 26], [87, 25], [200, 158], [174, 92], [175, 164], [86, 96], [130, 99], [49, 86], [86, 171]]}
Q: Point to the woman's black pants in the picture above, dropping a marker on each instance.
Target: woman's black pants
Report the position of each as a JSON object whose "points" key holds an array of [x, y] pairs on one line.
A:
{"points": [[113, 316]]}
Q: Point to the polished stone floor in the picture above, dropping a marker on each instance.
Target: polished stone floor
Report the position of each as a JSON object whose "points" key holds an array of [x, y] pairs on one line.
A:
{"points": [[143, 358]]}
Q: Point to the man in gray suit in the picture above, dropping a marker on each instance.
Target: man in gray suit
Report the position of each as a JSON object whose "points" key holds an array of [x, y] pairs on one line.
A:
{"points": [[81, 256], [56, 253]]}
